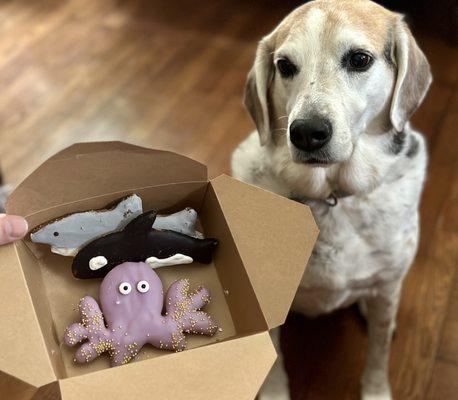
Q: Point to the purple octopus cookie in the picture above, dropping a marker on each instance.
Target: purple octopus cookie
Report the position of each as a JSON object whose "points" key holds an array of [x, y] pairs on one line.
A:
{"points": [[132, 299]]}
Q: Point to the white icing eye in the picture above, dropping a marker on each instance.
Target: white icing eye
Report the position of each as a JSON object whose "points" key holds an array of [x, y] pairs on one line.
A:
{"points": [[143, 286], [125, 288]]}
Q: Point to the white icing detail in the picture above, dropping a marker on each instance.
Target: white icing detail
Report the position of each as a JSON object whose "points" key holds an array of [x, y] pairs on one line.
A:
{"points": [[98, 262], [125, 288], [176, 259], [143, 286], [64, 252]]}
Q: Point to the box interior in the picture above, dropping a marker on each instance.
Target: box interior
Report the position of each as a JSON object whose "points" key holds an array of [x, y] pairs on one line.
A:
{"points": [[55, 292]]}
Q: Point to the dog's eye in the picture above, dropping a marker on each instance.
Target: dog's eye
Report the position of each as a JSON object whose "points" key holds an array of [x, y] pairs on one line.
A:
{"points": [[358, 61], [287, 68]]}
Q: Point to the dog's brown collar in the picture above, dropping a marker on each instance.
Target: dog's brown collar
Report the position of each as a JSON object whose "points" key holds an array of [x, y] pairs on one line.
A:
{"points": [[331, 201]]}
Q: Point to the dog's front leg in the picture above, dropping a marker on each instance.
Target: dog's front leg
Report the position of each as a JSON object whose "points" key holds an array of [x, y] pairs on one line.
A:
{"points": [[276, 386], [381, 319]]}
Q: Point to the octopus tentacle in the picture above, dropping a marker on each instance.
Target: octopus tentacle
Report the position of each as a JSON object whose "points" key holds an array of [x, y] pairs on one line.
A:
{"points": [[177, 300], [86, 353], [184, 308], [199, 298], [91, 328], [199, 322], [178, 341], [91, 316], [122, 355], [74, 334]]}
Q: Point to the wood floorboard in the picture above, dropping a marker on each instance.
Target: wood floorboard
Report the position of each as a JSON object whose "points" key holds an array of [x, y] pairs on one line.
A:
{"points": [[448, 349], [444, 385], [171, 75]]}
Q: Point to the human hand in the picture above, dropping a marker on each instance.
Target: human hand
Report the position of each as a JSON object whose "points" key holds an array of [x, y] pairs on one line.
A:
{"points": [[12, 228]]}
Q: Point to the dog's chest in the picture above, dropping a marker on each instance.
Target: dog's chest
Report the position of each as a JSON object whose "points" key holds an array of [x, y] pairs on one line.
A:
{"points": [[363, 242]]}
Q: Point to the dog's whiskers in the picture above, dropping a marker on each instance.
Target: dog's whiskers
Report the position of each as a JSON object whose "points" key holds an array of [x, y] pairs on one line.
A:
{"points": [[282, 131]]}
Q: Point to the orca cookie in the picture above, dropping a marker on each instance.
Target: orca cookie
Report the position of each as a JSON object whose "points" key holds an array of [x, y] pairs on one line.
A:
{"points": [[131, 298], [139, 242], [67, 235]]}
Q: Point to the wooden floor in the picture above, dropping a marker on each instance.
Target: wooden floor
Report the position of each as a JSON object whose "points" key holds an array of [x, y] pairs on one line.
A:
{"points": [[170, 74]]}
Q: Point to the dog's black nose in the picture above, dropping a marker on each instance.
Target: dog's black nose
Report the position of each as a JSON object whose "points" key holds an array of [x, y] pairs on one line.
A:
{"points": [[310, 134]]}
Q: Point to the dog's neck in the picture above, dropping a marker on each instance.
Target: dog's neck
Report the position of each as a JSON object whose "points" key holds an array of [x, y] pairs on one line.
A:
{"points": [[371, 164]]}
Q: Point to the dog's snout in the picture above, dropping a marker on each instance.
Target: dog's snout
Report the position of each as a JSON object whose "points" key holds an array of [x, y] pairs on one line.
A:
{"points": [[310, 134]]}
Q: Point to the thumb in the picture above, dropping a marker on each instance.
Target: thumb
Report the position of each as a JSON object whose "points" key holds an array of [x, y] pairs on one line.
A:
{"points": [[12, 227]]}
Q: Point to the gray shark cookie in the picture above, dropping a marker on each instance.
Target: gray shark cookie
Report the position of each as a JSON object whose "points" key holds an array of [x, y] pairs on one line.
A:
{"points": [[68, 234]]}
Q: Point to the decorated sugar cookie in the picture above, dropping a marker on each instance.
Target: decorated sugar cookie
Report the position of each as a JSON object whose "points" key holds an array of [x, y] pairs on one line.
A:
{"points": [[68, 234], [139, 242], [131, 299]]}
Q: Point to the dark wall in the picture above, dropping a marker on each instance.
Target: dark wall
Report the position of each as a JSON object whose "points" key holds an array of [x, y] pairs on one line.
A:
{"points": [[436, 17]]}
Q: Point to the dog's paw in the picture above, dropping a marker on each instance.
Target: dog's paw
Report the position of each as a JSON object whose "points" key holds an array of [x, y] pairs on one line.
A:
{"points": [[376, 396], [375, 385], [276, 386], [273, 395], [362, 308]]}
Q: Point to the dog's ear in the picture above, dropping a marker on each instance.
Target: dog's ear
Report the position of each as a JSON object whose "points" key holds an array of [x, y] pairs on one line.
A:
{"points": [[413, 76], [257, 86]]}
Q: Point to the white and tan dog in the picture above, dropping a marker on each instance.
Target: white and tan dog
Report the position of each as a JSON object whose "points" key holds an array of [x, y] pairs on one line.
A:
{"points": [[331, 93]]}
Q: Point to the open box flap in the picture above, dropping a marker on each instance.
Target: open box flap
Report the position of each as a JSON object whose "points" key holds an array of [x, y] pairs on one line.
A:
{"points": [[86, 170], [22, 344], [233, 369], [274, 236]]}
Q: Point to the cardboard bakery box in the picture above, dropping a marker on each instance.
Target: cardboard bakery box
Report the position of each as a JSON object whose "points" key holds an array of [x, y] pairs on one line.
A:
{"points": [[265, 242]]}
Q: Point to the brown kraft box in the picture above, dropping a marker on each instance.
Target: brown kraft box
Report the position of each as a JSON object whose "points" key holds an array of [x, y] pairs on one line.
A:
{"points": [[265, 243]]}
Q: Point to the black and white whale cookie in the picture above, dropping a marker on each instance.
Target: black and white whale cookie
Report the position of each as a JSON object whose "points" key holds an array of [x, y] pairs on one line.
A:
{"points": [[139, 242]]}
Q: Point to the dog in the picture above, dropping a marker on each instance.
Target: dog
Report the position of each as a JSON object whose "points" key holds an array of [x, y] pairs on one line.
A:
{"points": [[331, 93]]}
